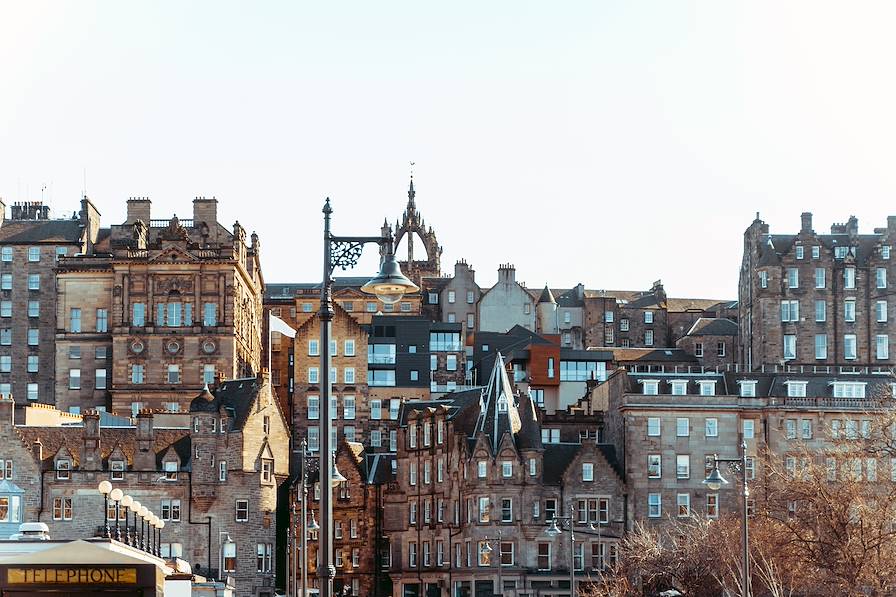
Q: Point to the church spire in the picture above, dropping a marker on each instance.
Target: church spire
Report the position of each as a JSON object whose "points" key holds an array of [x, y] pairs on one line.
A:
{"points": [[411, 205]]}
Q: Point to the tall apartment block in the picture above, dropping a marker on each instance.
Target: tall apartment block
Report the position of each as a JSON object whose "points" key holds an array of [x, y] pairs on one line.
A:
{"points": [[31, 244], [809, 299]]}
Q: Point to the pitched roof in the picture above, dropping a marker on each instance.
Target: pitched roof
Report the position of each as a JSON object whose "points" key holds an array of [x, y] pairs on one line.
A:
{"points": [[36, 231], [681, 305], [556, 460], [546, 296], [668, 355], [236, 396], [125, 438], [498, 414], [713, 326]]}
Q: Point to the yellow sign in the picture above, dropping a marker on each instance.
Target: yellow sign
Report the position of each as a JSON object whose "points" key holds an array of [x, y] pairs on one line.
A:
{"points": [[71, 576]]}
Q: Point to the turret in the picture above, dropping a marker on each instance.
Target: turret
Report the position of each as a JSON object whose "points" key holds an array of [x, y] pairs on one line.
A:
{"points": [[546, 310]]}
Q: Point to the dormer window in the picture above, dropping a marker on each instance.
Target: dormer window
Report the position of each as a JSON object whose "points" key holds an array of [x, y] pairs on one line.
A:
{"points": [[651, 387], [707, 387], [840, 252], [63, 469], [170, 470], [679, 387], [796, 389], [748, 388], [267, 470], [116, 470], [885, 252], [502, 404], [849, 389]]}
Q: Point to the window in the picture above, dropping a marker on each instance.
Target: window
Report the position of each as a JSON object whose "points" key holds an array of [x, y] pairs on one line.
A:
{"points": [[171, 510], [313, 348], [819, 277], [882, 346], [849, 277], [654, 466], [173, 373], [506, 510], [348, 407], [62, 508], [33, 309], [712, 505], [138, 317], [820, 310], [683, 501], [74, 379], [806, 428], [821, 346], [763, 279], [880, 277], [849, 346], [222, 470], [102, 320], [789, 346], [433, 298], [880, 311], [587, 471], [210, 314], [885, 252], [653, 426], [532, 467], [481, 469], [799, 251], [544, 556], [170, 466], [793, 277], [707, 388], [712, 427], [451, 363], [136, 373], [790, 310], [648, 316], [5, 364], [651, 387], [32, 363], [654, 505], [506, 469], [849, 310], [790, 428], [749, 428], [313, 377], [5, 308], [682, 427], [682, 466], [32, 391], [242, 510], [484, 511], [100, 379], [75, 320], [6, 337], [720, 349], [648, 337], [228, 557], [6, 254], [796, 389]]}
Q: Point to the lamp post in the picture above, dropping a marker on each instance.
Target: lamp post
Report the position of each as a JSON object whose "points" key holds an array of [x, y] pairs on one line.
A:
{"points": [[305, 526], [161, 526], [222, 541], [153, 522], [144, 517], [714, 481], [135, 508], [116, 495], [126, 502], [104, 488], [553, 531], [389, 286], [488, 549]]}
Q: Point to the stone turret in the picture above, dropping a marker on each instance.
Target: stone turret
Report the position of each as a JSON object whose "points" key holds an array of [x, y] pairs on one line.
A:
{"points": [[546, 311]]}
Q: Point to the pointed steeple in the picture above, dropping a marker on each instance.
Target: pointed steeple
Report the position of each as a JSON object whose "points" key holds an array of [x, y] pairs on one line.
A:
{"points": [[411, 205], [546, 295], [498, 412]]}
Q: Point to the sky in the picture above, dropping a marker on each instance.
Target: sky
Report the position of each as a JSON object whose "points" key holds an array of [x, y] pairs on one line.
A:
{"points": [[603, 142]]}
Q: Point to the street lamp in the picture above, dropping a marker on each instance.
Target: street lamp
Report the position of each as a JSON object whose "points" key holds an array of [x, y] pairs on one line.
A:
{"points": [[160, 526], [104, 488], [223, 540], [126, 502], [554, 531], [153, 521], [135, 508], [144, 518], [714, 481], [115, 495], [389, 286]]}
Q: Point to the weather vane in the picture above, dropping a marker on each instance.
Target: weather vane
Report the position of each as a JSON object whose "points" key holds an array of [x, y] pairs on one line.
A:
{"points": [[412, 169]]}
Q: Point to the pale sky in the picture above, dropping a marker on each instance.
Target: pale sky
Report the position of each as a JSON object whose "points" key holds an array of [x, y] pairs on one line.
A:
{"points": [[612, 143]]}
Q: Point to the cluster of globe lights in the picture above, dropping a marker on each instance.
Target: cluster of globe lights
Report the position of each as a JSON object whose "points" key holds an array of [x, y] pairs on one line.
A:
{"points": [[130, 504]]}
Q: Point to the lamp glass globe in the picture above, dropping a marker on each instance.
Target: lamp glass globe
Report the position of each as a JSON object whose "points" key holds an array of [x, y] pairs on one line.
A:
{"points": [[116, 494], [104, 487]]}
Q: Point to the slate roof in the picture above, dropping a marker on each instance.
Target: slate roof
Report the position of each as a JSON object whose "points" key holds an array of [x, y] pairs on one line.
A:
{"points": [[236, 396], [668, 355], [546, 296], [773, 246], [713, 326], [556, 460], [71, 437], [681, 305], [40, 231]]}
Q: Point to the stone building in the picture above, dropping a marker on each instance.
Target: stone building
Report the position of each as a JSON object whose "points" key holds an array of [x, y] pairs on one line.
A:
{"points": [[211, 474], [475, 489], [458, 297], [668, 422], [816, 299], [31, 244], [712, 341], [628, 319], [506, 304]]}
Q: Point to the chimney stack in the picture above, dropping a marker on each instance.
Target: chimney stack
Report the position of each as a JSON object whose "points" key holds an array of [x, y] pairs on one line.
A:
{"points": [[138, 209], [806, 222]]}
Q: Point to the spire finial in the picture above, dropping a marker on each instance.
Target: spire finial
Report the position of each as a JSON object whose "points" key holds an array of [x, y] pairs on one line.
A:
{"points": [[411, 192]]}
